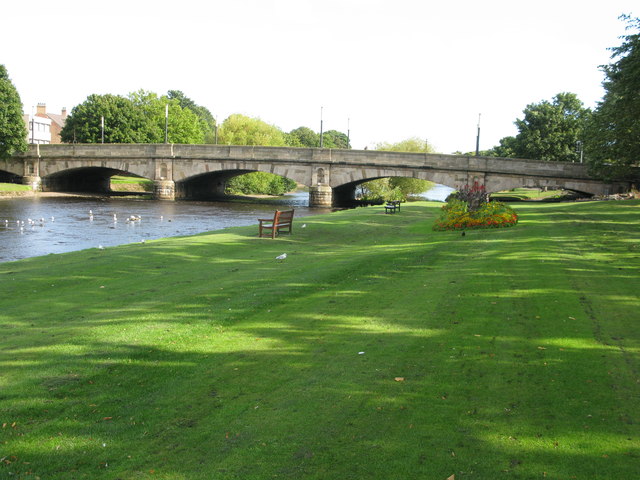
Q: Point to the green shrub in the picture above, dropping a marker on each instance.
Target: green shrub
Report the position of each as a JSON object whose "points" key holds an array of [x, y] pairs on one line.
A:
{"points": [[393, 188], [259, 183]]}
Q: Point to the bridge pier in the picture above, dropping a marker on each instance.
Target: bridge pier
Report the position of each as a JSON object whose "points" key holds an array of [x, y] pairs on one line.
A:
{"points": [[34, 181], [320, 196], [164, 190]]}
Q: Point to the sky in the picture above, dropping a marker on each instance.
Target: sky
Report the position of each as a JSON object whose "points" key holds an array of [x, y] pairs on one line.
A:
{"points": [[383, 70]]}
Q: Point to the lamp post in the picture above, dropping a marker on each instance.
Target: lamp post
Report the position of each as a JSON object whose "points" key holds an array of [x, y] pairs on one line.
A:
{"points": [[166, 123], [321, 135], [102, 127], [580, 149], [478, 137], [32, 126], [348, 131]]}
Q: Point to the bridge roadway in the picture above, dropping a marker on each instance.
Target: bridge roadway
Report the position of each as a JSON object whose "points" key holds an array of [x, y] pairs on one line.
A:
{"points": [[201, 171]]}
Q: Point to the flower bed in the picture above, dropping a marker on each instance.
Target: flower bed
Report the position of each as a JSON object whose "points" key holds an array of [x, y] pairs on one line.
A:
{"points": [[455, 215]]}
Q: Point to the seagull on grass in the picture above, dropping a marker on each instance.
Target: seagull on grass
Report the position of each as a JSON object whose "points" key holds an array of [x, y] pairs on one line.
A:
{"points": [[281, 257]]}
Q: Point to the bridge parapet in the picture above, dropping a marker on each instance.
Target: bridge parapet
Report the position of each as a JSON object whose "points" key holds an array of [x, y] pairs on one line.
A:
{"points": [[310, 155], [194, 169]]}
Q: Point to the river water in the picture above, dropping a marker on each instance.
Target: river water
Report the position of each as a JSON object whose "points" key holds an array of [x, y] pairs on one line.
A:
{"points": [[41, 225]]}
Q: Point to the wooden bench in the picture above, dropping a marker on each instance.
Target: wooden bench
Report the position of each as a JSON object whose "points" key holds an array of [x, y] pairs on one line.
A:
{"points": [[392, 206], [270, 227]]}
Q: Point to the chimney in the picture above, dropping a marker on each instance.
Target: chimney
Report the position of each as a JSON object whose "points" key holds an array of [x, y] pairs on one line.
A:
{"points": [[64, 113], [42, 109]]}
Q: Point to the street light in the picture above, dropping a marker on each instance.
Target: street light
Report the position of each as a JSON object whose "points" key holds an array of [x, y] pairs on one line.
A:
{"points": [[478, 137], [166, 123], [579, 149], [321, 135], [348, 131], [102, 127]]}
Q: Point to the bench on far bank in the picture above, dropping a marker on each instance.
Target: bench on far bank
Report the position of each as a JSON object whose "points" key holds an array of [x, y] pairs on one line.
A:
{"points": [[392, 206], [270, 227]]}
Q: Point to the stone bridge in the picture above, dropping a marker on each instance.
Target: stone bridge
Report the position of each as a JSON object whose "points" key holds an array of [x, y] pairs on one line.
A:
{"points": [[201, 171]]}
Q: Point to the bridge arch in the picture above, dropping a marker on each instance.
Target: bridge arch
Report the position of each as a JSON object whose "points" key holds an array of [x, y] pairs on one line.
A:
{"points": [[213, 184], [82, 179], [345, 193]]}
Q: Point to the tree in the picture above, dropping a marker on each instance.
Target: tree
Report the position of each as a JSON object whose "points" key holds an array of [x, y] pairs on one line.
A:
{"points": [[182, 125], [550, 130], [207, 122], [613, 142], [506, 148], [303, 137], [335, 139], [259, 183], [123, 122], [410, 186], [239, 129], [411, 145], [138, 118], [398, 188], [13, 133], [380, 190]]}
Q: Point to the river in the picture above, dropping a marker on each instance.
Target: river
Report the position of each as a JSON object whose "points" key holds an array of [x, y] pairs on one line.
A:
{"points": [[42, 225]]}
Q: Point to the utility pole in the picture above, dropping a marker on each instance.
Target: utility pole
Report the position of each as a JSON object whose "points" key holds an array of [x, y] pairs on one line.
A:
{"points": [[478, 137], [348, 132], [33, 125], [580, 149], [166, 123], [321, 142]]}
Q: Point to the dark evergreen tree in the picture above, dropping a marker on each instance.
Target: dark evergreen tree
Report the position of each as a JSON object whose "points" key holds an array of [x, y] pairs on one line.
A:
{"points": [[13, 132], [613, 140]]}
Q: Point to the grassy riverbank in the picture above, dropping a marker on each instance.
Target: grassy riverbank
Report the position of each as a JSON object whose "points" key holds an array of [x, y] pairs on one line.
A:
{"points": [[378, 349], [13, 188], [528, 194]]}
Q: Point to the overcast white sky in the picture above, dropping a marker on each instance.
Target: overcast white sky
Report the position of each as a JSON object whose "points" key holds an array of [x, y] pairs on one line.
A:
{"points": [[393, 69]]}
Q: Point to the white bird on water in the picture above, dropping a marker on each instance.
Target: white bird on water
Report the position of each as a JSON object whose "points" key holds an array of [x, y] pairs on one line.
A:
{"points": [[281, 257]]}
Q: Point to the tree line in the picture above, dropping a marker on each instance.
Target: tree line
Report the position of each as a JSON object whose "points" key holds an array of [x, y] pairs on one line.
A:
{"points": [[607, 138], [145, 117], [559, 129]]}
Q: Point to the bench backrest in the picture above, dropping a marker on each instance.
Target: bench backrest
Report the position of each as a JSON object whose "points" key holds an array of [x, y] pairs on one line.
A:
{"points": [[283, 216]]}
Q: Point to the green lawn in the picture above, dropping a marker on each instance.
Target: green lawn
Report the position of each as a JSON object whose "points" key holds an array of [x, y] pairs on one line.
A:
{"points": [[14, 187], [379, 349], [528, 194], [126, 184]]}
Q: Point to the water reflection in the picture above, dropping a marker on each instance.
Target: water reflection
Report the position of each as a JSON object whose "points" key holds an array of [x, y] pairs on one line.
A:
{"points": [[438, 193]]}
